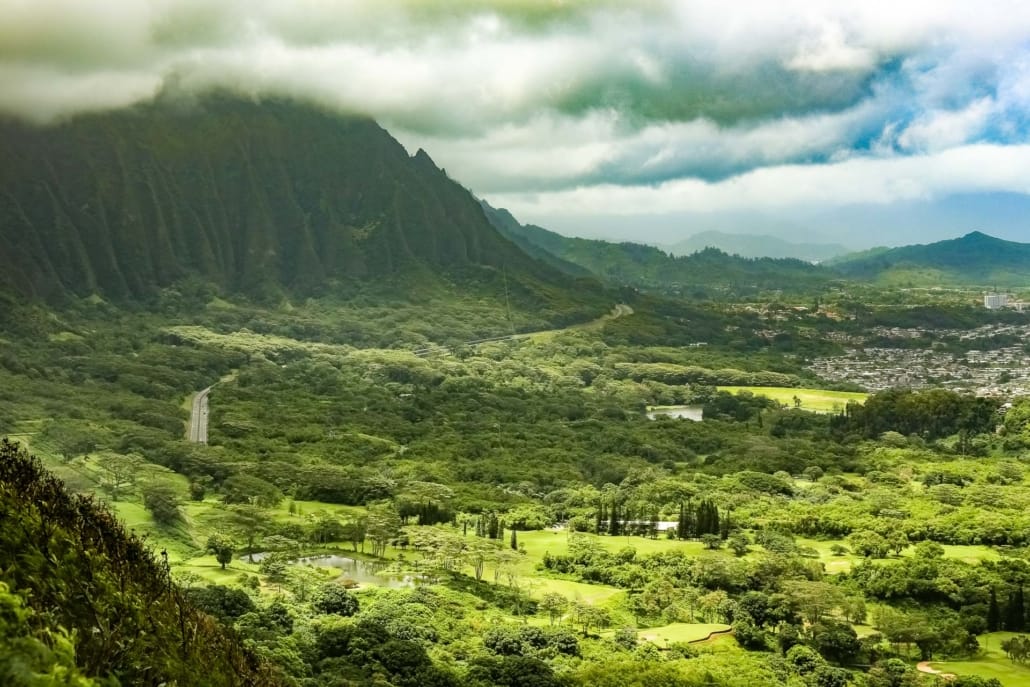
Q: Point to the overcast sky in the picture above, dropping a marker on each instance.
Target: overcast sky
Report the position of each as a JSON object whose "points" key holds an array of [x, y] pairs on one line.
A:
{"points": [[860, 122]]}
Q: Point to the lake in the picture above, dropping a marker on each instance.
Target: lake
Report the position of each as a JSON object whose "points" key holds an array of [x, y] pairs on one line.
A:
{"points": [[360, 572], [695, 413]]}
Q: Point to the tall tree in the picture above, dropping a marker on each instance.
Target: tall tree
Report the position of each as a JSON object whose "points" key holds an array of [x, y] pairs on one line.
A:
{"points": [[222, 548], [993, 613], [554, 605], [383, 527], [1015, 613], [249, 522]]}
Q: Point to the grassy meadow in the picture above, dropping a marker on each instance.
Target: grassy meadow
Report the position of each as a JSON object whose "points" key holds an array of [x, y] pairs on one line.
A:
{"points": [[993, 663], [814, 400]]}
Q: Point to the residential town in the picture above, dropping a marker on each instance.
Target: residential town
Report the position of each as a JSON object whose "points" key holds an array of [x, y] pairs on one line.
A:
{"points": [[1002, 371]]}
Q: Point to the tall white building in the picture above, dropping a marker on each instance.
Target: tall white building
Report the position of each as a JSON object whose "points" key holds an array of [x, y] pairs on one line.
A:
{"points": [[996, 301]]}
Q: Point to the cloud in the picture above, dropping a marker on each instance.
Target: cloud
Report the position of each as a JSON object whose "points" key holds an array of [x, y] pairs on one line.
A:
{"points": [[572, 99], [942, 129], [856, 181], [426, 63], [558, 151]]}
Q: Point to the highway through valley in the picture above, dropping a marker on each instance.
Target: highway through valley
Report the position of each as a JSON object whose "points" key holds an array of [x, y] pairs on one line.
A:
{"points": [[198, 417]]}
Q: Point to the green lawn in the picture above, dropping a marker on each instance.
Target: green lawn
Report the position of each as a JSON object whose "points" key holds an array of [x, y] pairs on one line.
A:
{"points": [[817, 400], [681, 632], [593, 594], [864, 630], [836, 564], [556, 542], [207, 569], [993, 663]]}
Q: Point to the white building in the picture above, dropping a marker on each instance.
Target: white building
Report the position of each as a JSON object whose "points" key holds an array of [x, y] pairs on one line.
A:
{"points": [[996, 301]]}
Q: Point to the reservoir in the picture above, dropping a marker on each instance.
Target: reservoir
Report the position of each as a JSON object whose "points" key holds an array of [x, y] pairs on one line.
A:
{"points": [[695, 413]]}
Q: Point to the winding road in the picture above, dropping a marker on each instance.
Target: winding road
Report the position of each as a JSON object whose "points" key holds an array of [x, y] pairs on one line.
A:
{"points": [[199, 411], [198, 417]]}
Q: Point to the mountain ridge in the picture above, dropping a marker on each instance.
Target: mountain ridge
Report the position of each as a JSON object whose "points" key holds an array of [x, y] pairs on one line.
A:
{"points": [[756, 246], [645, 266], [975, 257], [259, 197]]}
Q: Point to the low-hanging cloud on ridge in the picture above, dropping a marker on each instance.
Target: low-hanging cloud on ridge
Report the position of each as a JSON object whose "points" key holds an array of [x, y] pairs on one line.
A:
{"points": [[536, 101]]}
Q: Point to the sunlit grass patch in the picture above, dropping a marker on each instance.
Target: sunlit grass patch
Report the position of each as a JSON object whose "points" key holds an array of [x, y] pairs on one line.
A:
{"points": [[992, 663], [681, 632], [817, 400]]}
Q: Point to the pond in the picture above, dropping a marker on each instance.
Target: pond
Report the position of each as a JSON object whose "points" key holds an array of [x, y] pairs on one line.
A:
{"points": [[695, 413], [359, 571]]}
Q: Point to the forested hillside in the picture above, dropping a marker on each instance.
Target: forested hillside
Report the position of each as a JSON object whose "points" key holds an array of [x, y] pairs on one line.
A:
{"points": [[706, 273], [262, 199], [975, 258], [84, 603]]}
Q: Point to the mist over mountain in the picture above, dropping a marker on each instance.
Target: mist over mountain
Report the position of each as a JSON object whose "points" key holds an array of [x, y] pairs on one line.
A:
{"points": [[644, 266], [260, 198], [975, 258], [757, 246], [518, 234]]}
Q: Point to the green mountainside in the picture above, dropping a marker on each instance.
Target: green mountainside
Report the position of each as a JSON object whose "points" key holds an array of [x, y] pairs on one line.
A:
{"points": [[643, 266], [975, 258], [261, 199], [542, 249], [756, 246], [84, 603]]}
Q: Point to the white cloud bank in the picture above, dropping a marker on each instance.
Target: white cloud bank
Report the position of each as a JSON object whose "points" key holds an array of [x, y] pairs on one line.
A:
{"points": [[857, 181], [562, 107]]}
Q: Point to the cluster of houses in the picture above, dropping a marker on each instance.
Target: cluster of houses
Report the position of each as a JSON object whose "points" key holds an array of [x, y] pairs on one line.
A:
{"points": [[1002, 371]]}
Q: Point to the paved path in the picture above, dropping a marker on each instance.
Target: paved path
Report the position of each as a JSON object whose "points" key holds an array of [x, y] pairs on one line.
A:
{"points": [[198, 417], [924, 667]]}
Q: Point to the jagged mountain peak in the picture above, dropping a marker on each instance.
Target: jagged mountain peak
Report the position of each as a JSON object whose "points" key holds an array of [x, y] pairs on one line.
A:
{"points": [[256, 196]]}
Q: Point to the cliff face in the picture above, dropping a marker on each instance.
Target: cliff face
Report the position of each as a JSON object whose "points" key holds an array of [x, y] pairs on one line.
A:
{"points": [[251, 196]]}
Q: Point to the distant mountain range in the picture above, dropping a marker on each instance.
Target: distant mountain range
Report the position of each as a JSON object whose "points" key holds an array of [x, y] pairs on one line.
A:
{"points": [[261, 198], [643, 266], [756, 246], [975, 258], [276, 198]]}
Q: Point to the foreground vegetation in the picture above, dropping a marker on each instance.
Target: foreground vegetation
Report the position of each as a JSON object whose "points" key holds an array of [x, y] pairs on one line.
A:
{"points": [[514, 516]]}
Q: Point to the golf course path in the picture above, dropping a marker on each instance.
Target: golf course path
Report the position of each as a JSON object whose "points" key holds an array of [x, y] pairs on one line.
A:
{"points": [[924, 667]]}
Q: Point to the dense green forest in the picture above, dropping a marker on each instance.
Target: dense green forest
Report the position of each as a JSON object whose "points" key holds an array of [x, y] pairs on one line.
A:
{"points": [[975, 258], [832, 548], [437, 456]]}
